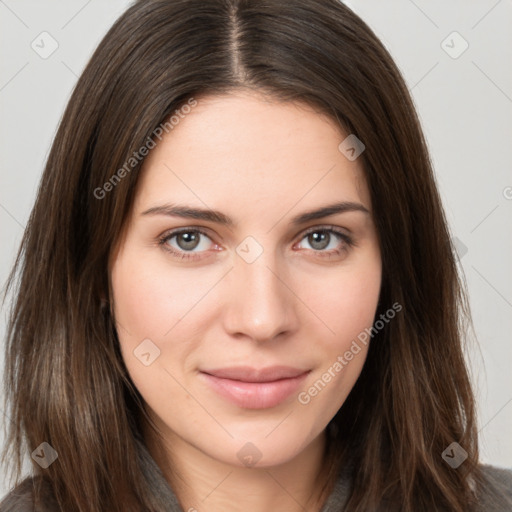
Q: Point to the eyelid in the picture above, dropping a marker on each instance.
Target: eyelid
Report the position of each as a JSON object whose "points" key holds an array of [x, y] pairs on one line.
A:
{"points": [[170, 233], [343, 233], [324, 227], [186, 229]]}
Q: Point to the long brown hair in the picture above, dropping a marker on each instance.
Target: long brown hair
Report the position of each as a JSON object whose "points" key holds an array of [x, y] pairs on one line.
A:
{"points": [[65, 379]]}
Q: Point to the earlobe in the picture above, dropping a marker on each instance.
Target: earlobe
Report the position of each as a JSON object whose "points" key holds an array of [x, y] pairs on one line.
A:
{"points": [[107, 307], [103, 304]]}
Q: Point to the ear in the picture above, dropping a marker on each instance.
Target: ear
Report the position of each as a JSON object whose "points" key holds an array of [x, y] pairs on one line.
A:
{"points": [[103, 302]]}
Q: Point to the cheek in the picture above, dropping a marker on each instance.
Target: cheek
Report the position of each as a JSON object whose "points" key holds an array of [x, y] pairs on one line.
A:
{"points": [[149, 303], [148, 306], [149, 300], [346, 302], [347, 305]]}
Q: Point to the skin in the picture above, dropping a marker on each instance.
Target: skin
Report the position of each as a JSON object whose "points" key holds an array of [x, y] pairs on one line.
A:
{"points": [[260, 162]]}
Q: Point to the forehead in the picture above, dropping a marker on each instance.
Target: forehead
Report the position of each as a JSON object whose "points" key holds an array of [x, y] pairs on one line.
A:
{"points": [[244, 150]]}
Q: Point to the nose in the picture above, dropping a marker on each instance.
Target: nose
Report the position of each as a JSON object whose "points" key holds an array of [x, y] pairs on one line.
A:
{"points": [[261, 305]]}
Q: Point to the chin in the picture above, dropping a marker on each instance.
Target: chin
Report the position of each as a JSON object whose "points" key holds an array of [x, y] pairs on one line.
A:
{"points": [[262, 450]]}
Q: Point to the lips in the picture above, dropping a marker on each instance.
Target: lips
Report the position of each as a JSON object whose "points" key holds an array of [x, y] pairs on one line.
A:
{"points": [[248, 374], [252, 388]]}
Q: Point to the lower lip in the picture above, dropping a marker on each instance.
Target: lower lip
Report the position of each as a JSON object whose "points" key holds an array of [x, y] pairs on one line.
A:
{"points": [[255, 395]]}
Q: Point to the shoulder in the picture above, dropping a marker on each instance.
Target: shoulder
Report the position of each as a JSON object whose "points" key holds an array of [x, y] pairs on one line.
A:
{"points": [[497, 492], [21, 498]]}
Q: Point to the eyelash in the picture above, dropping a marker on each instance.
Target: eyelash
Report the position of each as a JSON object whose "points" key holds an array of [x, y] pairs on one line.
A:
{"points": [[183, 255]]}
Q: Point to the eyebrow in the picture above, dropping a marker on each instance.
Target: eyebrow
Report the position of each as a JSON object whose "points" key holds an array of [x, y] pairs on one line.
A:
{"points": [[188, 212]]}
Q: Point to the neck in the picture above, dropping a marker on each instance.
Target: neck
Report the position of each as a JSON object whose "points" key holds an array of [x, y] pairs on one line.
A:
{"points": [[201, 482]]}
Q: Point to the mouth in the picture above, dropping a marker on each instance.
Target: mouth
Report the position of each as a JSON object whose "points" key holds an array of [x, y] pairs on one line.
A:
{"points": [[252, 388]]}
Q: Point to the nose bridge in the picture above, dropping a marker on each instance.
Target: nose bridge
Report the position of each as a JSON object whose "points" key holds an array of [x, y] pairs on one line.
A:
{"points": [[261, 305]]}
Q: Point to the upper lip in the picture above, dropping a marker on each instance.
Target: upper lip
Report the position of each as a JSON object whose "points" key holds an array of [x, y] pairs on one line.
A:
{"points": [[249, 374]]}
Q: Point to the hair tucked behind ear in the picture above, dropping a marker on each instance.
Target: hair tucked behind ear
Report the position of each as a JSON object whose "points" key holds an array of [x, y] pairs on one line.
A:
{"points": [[66, 382]]}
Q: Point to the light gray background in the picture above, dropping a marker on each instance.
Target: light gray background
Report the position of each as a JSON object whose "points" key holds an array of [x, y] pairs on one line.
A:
{"points": [[465, 105]]}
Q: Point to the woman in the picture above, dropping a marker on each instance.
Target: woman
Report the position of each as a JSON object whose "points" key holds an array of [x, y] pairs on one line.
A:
{"points": [[237, 289]]}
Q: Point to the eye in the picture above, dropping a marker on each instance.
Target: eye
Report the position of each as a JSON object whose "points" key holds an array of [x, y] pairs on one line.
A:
{"points": [[321, 238], [183, 243], [189, 243]]}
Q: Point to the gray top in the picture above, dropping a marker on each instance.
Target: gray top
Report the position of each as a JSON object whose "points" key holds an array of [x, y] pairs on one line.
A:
{"points": [[164, 499]]}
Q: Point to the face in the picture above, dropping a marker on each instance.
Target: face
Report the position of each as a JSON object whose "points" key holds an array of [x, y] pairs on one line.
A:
{"points": [[236, 311]]}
